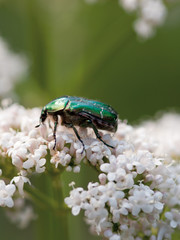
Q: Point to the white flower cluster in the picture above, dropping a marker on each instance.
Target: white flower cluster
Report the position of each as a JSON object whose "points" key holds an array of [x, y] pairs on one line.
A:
{"points": [[12, 67], [134, 190], [138, 191], [160, 136], [150, 14]]}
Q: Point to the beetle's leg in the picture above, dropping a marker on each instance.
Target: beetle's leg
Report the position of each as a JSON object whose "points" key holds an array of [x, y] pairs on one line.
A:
{"points": [[55, 128], [70, 125], [97, 133]]}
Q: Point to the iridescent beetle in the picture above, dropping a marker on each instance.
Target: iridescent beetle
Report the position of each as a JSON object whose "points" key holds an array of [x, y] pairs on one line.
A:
{"points": [[78, 111]]}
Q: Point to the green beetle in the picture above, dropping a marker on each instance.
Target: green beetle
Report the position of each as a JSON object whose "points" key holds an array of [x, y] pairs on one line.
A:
{"points": [[78, 111]]}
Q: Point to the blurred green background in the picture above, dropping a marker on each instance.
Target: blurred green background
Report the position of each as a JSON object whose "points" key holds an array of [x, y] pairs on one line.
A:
{"points": [[75, 48]]}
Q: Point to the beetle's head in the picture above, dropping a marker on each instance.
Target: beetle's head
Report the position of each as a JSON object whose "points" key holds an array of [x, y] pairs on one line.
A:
{"points": [[42, 117]]}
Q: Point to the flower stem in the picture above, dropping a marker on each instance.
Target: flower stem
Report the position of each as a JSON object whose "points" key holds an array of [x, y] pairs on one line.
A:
{"points": [[39, 198], [52, 213]]}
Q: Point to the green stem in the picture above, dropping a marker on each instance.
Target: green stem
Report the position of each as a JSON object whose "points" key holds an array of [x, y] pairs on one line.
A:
{"points": [[40, 198], [60, 221], [49, 203]]}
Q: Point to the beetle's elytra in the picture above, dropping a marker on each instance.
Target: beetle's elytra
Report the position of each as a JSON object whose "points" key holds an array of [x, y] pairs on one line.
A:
{"points": [[78, 111]]}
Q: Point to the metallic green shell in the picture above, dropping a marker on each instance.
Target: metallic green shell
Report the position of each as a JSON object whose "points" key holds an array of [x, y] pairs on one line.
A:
{"points": [[56, 105], [78, 104], [92, 107]]}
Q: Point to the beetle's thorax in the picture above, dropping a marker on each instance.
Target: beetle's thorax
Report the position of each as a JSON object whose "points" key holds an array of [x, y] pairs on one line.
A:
{"points": [[58, 104]]}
